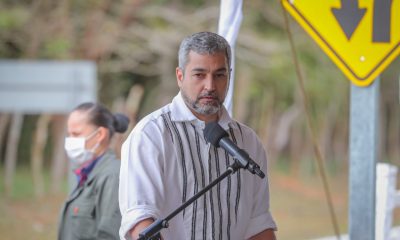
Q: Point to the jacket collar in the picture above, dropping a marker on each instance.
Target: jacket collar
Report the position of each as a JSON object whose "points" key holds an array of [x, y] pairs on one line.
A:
{"points": [[100, 165]]}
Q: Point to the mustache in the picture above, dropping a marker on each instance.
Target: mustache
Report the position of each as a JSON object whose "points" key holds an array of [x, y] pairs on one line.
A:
{"points": [[208, 95]]}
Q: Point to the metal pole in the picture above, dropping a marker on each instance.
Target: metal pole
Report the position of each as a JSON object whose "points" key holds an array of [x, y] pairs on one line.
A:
{"points": [[364, 135]]}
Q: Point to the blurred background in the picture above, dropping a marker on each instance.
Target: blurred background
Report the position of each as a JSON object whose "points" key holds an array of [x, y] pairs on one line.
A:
{"points": [[134, 45]]}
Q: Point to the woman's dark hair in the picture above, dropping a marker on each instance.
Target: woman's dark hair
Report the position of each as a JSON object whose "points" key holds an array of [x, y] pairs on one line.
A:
{"points": [[100, 116]]}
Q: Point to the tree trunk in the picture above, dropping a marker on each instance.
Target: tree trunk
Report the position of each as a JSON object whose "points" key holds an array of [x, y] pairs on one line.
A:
{"points": [[11, 152], [130, 107], [132, 104], [296, 150], [59, 159], [4, 119], [283, 126], [39, 143]]}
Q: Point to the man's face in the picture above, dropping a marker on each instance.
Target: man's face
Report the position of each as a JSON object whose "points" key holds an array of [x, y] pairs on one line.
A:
{"points": [[203, 84]]}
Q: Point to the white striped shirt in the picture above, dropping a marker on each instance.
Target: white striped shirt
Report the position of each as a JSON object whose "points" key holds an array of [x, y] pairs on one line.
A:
{"points": [[166, 160]]}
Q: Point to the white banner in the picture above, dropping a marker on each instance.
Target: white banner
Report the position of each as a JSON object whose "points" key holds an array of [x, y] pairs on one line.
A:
{"points": [[230, 19]]}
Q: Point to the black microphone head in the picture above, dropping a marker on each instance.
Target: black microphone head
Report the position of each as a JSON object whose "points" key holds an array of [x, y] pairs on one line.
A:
{"points": [[213, 133]]}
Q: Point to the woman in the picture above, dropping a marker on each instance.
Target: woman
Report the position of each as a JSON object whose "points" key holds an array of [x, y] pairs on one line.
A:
{"points": [[91, 211]]}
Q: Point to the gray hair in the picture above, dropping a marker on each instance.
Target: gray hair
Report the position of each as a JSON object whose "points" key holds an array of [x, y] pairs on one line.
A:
{"points": [[203, 43]]}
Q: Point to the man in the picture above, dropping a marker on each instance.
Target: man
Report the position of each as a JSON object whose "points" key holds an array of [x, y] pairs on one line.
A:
{"points": [[166, 159]]}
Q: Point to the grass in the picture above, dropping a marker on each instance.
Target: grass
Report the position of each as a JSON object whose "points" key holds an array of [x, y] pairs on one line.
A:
{"points": [[29, 218], [298, 205], [23, 216]]}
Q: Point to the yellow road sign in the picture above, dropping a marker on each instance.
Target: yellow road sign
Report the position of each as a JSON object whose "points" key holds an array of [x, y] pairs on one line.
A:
{"points": [[362, 37]]}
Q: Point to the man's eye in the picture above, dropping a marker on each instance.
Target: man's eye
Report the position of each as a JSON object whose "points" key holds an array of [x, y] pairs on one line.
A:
{"points": [[220, 75], [198, 75]]}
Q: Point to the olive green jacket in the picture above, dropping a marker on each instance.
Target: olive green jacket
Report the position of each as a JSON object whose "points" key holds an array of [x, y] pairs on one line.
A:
{"points": [[91, 211]]}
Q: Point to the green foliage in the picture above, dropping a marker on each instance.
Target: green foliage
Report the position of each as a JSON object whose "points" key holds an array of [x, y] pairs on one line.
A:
{"points": [[12, 23], [57, 48], [282, 165], [157, 22], [80, 7], [194, 3], [12, 19]]}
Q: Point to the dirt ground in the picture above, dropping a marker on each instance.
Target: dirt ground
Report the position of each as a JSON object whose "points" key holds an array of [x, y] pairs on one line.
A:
{"points": [[301, 210]]}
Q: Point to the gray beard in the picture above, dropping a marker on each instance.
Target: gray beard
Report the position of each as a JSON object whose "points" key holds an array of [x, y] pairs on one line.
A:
{"points": [[203, 109]]}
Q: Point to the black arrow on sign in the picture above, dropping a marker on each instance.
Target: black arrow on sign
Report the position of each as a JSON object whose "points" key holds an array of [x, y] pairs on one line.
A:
{"points": [[349, 16], [381, 24]]}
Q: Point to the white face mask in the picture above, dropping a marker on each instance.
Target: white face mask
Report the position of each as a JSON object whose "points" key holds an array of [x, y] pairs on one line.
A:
{"points": [[76, 151]]}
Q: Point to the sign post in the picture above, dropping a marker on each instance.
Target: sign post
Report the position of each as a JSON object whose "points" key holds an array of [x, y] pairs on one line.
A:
{"points": [[364, 135], [362, 37]]}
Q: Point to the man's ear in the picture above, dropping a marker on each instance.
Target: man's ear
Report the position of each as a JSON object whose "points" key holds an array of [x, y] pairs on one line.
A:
{"points": [[179, 76]]}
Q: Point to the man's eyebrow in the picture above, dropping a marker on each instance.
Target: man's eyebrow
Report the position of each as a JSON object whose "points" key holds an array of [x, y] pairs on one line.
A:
{"points": [[223, 69], [198, 70]]}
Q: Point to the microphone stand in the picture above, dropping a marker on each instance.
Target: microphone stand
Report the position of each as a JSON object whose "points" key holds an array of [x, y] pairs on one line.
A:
{"points": [[152, 232]]}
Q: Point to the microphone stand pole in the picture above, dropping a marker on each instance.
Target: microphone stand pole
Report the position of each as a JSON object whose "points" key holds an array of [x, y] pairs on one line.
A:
{"points": [[152, 232]]}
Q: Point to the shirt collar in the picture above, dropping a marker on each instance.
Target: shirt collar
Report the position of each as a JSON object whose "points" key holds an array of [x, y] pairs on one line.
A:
{"points": [[180, 112], [87, 168]]}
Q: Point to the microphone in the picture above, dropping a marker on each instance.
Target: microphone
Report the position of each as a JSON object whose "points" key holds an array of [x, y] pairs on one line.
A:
{"points": [[218, 137]]}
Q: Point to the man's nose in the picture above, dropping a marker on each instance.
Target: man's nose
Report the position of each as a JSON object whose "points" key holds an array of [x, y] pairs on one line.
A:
{"points": [[209, 83]]}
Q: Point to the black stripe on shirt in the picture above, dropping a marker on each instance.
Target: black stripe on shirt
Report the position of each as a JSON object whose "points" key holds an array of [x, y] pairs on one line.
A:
{"points": [[211, 194], [167, 126], [196, 184], [184, 173], [203, 182], [238, 179], [228, 199], [218, 192]]}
